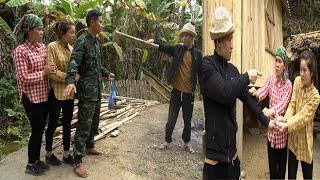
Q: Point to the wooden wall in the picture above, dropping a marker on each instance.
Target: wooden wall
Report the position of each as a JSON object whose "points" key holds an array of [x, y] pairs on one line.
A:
{"points": [[256, 37]]}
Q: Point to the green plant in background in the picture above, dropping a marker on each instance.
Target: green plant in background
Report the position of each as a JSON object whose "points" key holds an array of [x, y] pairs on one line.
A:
{"points": [[304, 17], [14, 122]]}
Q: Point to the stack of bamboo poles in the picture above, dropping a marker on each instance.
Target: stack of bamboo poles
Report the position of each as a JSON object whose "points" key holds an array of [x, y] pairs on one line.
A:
{"points": [[110, 119], [300, 42]]}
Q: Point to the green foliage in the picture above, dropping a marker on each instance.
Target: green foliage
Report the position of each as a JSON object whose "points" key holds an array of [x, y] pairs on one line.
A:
{"points": [[304, 17], [8, 93], [65, 6], [75, 11], [12, 110], [16, 3], [18, 130]]}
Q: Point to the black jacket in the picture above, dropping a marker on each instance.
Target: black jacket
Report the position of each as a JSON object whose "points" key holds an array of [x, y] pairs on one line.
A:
{"points": [[222, 85], [177, 53]]}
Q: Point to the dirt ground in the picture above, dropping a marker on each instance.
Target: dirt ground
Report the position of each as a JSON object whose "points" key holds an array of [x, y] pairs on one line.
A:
{"points": [[134, 154]]}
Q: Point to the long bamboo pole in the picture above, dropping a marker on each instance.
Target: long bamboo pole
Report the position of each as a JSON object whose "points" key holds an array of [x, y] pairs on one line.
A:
{"points": [[137, 39]]}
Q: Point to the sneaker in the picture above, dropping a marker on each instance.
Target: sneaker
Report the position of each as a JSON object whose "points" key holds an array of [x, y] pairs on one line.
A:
{"points": [[53, 160], [42, 165], [34, 170], [68, 160]]}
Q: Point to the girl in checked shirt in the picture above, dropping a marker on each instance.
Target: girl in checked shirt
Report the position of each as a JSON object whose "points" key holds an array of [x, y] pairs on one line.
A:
{"points": [[31, 73], [278, 87], [59, 53], [299, 117]]}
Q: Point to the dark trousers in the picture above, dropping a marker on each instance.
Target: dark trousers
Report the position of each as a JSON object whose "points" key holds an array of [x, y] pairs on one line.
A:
{"points": [[177, 100], [293, 167], [87, 128], [277, 162], [55, 107], [222, 170], [37, 114]]}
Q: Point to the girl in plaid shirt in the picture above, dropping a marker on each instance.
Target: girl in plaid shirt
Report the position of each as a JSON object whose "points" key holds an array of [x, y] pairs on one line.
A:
{"points": [[59, 53], [31, 72], [278, 87], [299, 117]]}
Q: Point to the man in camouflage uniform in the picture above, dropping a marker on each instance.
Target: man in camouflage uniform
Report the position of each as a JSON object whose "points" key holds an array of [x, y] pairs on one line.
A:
{"points": [[86, 61]]}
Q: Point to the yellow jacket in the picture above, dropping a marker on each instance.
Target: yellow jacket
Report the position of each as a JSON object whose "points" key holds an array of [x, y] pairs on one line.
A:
{"points": [[300, 113]]}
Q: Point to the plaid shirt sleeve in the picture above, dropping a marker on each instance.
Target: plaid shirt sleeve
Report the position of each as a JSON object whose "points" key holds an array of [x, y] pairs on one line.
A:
{"points": [[26, 78], [280, 108], [263, 91], [51, 59]]}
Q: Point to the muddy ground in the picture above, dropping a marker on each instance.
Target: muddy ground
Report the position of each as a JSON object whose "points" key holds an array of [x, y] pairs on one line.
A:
{"points": [[134, 154]]}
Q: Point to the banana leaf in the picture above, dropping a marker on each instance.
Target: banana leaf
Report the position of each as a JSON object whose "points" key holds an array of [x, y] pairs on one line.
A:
{"points": [[6, 29], [16, 3], [67, 7], [82, 9]]}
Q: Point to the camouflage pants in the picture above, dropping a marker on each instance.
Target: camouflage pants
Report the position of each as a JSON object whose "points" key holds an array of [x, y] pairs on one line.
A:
{"points": [[87, 128]]}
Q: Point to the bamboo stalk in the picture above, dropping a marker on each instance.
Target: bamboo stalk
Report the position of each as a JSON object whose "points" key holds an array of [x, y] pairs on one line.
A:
{"points": [[125, 120], [101, 135], [102, 129], [120, 115], [117, 112], [137, 39], [114, 126]]}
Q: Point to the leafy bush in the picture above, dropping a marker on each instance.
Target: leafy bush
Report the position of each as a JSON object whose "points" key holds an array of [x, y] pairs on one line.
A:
{"points": [[15, 124]]}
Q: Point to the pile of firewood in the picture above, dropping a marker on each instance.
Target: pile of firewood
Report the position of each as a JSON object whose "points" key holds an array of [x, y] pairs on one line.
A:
{"points": [[110, 119], [299, 43]]}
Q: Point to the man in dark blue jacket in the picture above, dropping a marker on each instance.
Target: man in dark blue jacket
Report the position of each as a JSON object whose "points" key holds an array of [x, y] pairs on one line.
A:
{"points": [[182, 75], [222, 84]]}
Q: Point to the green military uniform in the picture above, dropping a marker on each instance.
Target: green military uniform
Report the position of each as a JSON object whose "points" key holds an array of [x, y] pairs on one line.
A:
{"points": [[86, 61]]}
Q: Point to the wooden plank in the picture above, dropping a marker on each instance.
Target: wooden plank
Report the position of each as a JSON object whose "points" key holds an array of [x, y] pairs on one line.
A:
{"points": [[237, 55], [157, 88], [235, 13], [239, 116], [114, 126], [207, 43], [247, 35]]}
